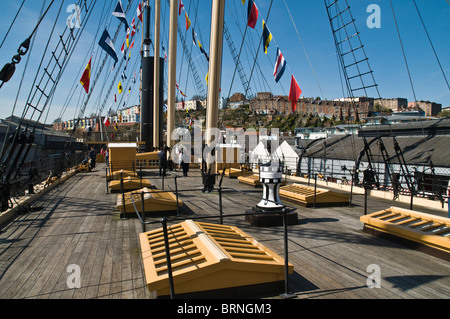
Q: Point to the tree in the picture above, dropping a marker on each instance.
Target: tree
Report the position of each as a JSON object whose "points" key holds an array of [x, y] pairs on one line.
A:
{"points": [[444, 113]]}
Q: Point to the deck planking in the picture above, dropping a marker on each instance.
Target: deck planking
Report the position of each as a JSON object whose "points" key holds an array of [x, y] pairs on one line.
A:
{"points": [[79, 224]]}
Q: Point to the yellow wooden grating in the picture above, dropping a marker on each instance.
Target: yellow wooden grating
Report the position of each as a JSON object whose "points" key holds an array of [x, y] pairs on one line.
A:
{"points": [[116, 175], [83, 167], [252, 180], [305, 195], [147, 160], [129, 183], [236, 172], [207, 257], [426, 229], [154, 201]]}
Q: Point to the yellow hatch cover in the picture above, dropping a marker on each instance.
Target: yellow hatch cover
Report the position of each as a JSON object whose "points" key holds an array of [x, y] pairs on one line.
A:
{"points": [[154, 201], [430, 230], [305, 195], [252, 180], [207, 257], [129, 183]]}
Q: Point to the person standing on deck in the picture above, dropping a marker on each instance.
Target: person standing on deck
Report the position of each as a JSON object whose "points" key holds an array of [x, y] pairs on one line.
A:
{"points": [[162, 156], [184, 165], [92, 157]]}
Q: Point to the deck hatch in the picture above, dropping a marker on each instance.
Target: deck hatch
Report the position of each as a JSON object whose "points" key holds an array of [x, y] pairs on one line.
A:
{"points": [[207, 257], [304, 195], [429, 230]]}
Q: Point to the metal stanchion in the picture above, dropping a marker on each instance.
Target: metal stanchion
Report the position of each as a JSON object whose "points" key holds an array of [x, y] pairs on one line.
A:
{"points": [[352, 172], [315, 189], [286, 294], [106, 175], [176, 194], [122, 189], [169, 264], [220, 205], [143, 211], [365, 200]]}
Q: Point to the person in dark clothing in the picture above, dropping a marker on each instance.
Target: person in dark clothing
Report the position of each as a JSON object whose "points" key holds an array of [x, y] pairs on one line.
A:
{"points": [[184, 165], [92, 157], [162, 156]]}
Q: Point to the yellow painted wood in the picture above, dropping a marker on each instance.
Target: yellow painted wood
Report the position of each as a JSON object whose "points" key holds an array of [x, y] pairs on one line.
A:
{"points": [[122, 156], [121, 173], [129, 183], [426, 229], [147, 160], [83, 167], [154, 201], [203, 259], [227, 157], [305, 194], [252, 180], [235, 172]]}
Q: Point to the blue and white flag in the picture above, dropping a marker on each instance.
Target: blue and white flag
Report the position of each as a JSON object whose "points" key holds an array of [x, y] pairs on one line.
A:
{"points": [[119, 14], [107, 45], [280, 65]]}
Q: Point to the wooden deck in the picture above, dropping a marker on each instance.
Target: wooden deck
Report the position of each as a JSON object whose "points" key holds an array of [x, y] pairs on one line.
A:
{"points": [[78, 224]]}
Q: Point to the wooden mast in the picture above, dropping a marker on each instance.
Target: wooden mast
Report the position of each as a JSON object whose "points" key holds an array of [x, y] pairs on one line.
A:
{"points": [[215, 70], [172, 70]]}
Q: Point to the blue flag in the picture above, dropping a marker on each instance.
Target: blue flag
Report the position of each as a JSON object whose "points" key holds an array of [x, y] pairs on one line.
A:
{"points": [[280, 65], [119, 14], [107, 45]]}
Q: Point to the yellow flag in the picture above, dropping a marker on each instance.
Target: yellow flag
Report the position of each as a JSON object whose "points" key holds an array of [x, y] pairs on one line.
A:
{"points": [[206, 79], [243, 1], [188, 22], [120, 88]]}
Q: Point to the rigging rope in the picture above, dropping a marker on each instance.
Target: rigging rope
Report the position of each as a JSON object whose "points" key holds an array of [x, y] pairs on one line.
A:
{"points": [[257, 52], [303, 46], [18, 92], [8, 70], [403, 50], [12, 23], [431, 43]]}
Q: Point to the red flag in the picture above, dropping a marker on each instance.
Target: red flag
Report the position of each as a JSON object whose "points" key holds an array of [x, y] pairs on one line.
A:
{"points": [[294, 93], [139, 12], [86, 77], [133, 27], [180, 7], [107, 122], [252, 14]]}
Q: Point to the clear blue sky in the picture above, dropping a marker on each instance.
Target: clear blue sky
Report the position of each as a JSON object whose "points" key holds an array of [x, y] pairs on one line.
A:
{"points": [[381, 44]]}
